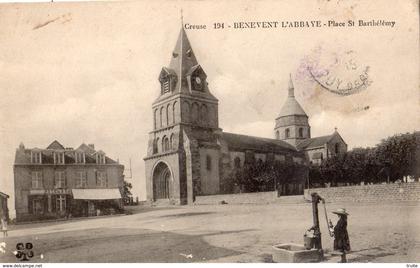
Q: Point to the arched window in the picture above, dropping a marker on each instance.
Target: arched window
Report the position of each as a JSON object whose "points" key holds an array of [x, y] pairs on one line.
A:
{"points": [[204, 115], [237, 162], [300, 132], [277, 134], [172, 144], [155, 122], [161, 116], [174, 114], [287, 133], [157, 144], [208, 162], [163, 144], [169, 114], [337, 148], [186, 112], [195, 112], [167, 144]]}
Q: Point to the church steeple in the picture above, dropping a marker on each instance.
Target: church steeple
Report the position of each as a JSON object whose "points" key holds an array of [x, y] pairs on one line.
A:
{"points": [[183, 59], [184, 74], [291, 88]]}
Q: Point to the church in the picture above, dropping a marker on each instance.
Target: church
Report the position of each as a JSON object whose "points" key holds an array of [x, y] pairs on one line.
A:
{"points": [[190, 155]]}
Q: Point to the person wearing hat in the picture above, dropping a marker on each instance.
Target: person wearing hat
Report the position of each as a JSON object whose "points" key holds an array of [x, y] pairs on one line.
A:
{"points": [[341, 237]]}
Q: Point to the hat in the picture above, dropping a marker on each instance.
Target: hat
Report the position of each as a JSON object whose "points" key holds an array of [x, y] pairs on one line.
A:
{"points": [[341, 211]]}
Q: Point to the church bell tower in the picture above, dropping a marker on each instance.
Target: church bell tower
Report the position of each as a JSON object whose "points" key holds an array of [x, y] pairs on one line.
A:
{"points": [[185, 118], [292, 123]]}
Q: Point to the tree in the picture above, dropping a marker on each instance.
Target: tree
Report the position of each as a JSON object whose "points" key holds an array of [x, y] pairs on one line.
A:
{"points": [[127, 192], [398, 155], [391, 160]]}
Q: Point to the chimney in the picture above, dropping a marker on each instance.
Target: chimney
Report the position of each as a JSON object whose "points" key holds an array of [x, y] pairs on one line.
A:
{"points": [[92, 146], [21, 146]]}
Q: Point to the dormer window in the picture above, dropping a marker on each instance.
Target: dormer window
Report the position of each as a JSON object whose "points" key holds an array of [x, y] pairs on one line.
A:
{"points": [[167, 79], [80, 157], [165, 86], [197, 78], [197, 83], [36, 157], [100, 159], [58, 158]]}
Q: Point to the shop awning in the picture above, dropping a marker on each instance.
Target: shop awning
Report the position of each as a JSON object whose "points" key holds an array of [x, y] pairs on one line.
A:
{"points": [[96, 194]]}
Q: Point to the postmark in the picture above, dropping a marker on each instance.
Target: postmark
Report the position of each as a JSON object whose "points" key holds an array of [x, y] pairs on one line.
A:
{"points": [[338, 72]]}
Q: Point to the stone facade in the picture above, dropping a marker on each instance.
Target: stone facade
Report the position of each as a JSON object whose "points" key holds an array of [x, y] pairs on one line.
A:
{"points": [[188, 154], [320, 148], [292, 126], [370, 193], [44, 184]]}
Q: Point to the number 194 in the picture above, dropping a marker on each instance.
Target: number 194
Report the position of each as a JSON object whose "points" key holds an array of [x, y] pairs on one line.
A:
{"points": [[218, 25]]}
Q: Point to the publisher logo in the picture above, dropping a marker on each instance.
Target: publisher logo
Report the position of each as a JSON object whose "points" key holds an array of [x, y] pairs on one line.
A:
{"points": [[24, 251]]}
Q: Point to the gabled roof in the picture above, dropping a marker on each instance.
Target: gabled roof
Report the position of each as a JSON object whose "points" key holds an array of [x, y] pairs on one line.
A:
{"points": [[86, 148], [194, 68], [55, 145], [314, 142], [291, 106], [4, 195], [244, 142], [167, 71], [184, 63]]}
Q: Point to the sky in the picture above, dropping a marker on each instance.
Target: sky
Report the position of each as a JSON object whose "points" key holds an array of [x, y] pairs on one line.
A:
{"points": [[88, 71]]}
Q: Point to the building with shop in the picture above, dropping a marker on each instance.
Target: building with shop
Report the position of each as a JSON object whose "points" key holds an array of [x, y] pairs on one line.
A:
{"points": [[60, 182], [4, 210]]}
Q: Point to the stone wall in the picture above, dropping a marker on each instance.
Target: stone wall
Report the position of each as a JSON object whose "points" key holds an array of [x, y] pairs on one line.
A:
{"points": [[245, 198], [370, 193]]}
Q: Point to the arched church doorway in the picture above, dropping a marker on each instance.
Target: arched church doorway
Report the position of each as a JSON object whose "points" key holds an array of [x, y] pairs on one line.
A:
{"points": [[161, 179]]}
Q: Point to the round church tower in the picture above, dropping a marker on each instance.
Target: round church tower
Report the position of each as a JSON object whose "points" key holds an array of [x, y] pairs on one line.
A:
{"points": [[292, 123]]}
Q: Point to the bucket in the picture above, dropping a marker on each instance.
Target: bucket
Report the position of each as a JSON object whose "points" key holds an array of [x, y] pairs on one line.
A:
{"points": [[308, 240]]}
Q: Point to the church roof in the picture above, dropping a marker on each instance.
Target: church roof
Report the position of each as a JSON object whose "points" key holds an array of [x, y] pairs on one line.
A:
{"points": [[291, 106], [244, 142], [183, 58], [314, 142], [318, 141]]}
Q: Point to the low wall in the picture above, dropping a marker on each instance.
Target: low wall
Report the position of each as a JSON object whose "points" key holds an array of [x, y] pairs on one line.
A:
{"points": [[369, 193], [245, 198]]}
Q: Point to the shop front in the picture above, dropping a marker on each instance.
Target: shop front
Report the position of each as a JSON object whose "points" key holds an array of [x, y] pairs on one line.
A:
{"points": [[49, 203], [96, 202]]}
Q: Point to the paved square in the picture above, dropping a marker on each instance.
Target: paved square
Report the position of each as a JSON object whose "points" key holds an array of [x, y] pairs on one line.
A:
{"points": [[219, 233]]}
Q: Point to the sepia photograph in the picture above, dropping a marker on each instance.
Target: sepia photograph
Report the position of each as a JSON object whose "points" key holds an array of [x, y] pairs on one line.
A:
{"points": [[184, 131]]}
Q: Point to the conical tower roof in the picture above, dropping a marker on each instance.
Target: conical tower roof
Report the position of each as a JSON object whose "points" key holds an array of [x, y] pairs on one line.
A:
{"points": [[291, 106], [183, 58]]}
